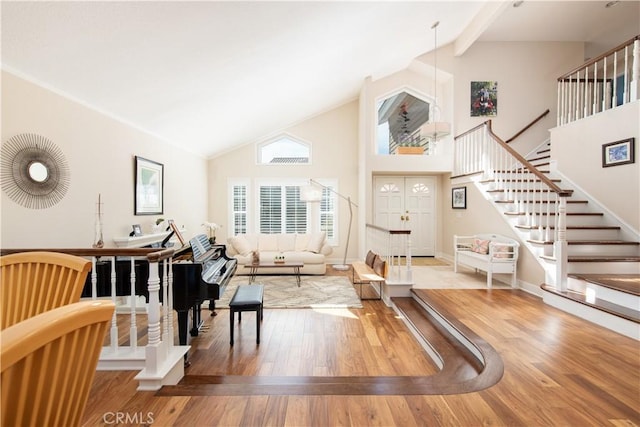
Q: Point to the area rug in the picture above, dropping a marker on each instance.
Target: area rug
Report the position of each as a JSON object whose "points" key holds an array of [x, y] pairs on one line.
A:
{"points": [[314, 292]]}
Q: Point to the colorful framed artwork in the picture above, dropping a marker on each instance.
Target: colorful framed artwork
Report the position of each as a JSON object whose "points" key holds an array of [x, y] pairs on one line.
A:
{"points": [[484, 99]]}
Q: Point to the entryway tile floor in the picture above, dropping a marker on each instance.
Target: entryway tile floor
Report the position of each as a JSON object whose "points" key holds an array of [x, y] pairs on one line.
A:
{"points": [[443, 277]]}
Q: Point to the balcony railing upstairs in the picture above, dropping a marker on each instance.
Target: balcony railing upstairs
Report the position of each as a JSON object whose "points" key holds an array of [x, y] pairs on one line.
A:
{"points": [[394, 246], [161, 361], [605, 82], [538, 203]]}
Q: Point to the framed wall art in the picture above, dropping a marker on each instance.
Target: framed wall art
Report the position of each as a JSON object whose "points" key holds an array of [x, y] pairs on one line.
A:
{"points": [[459, 198], [618, 153], [148, 187], [484, 99]]}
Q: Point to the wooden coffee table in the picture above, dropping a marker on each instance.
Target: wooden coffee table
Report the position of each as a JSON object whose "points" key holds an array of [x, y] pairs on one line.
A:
{"points": [[253, 268]]}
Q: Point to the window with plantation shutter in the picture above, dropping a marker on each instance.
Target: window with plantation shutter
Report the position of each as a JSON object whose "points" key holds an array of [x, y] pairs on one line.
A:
{"points": [[271, 209], [275, 207], [328, 213], [239, 208], [295, 211]]}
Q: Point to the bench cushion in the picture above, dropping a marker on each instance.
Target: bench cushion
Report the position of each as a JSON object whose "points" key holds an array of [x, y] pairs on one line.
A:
{"points": [[247, 295]]}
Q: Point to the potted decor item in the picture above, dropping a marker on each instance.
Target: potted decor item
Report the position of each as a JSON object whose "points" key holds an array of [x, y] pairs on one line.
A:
{"points": [[211, 227]]}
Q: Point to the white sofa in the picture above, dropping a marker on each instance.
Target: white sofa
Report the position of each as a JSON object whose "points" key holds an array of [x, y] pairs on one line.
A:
{"points": [[491, 253], [311, 249]]}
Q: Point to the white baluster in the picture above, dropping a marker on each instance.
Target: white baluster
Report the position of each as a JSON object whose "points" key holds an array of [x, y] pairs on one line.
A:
{"points": [[634, 92], [114, 320], [169, 303], [133, 328], [94, 278]]}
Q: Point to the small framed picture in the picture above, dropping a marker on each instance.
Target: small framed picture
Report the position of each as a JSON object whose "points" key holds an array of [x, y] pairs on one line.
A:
{"points": [[618, 153], [137, 230], [459, 198]]}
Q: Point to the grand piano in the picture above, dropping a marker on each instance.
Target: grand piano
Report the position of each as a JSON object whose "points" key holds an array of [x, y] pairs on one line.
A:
{"points": [[201, 272]]}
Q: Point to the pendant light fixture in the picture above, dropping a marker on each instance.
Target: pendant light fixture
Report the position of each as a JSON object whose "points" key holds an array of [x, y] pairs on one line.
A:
{"points": [[435, 129]]}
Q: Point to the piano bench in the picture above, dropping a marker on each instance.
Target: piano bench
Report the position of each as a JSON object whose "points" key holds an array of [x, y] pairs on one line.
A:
{"points": [[246, 298]]}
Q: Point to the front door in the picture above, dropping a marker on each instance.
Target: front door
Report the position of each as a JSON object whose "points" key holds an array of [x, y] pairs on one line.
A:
{"points": [[407, 203]]}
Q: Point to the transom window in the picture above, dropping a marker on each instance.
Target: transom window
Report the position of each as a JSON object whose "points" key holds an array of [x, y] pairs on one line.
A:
{"points": [[284, 150]]}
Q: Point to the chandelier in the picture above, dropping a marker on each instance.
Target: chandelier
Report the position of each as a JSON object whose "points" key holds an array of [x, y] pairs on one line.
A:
{"points": [[435, 129]]}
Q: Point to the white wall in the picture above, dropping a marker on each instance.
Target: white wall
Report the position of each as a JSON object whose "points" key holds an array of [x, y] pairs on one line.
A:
{"points": [[100, 152], [333, 136], [616, 187]]}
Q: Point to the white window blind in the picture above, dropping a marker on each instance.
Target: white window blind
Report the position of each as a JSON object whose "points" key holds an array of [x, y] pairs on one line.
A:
{"points": [[296, 211], [271, 209], [328, 213], [239, 209]]}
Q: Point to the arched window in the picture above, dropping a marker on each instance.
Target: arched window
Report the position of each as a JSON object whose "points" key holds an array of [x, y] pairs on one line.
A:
{"points": [[284, 150]]}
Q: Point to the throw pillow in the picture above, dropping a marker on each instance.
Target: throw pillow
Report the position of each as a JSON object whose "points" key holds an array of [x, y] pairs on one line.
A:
{"points": [[268, 242], [369, 259], [502, 251], [316, 240], [287, 242], [241, 244], [480, 246], [379, 266]]}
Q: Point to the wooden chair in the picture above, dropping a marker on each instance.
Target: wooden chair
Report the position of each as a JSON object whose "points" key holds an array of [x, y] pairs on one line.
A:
{"points": [[48, 364], [34, 282]]}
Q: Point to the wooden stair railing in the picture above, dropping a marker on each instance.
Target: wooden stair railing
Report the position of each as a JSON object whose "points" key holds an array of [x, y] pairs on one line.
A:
{"points": [[527, 127], [593, 87], [480, 150]]}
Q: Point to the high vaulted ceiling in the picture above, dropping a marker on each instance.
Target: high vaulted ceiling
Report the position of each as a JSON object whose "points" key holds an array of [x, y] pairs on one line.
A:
{"points": [[212, 75]]}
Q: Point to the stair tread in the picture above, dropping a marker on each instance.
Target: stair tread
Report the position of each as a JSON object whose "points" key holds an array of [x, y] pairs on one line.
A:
{"points": [[538, 190], [520, 180], [587, 242], [553, 213], [627, 283], [574, 227], [540, 201], [606, 306], [596, 258]]}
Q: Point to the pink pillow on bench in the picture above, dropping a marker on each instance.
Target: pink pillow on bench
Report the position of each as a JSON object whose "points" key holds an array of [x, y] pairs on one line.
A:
{"points": [[480, 246], [502, 251]]}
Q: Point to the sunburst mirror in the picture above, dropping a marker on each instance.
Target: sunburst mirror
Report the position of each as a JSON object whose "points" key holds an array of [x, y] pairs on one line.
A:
{"points": [[34, 173]]}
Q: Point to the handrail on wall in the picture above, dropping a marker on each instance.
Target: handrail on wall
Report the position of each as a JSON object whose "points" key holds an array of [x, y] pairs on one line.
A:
{"points": [[524, 129]]}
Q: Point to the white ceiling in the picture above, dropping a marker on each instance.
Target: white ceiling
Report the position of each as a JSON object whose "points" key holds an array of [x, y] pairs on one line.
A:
{"points": [[211, 75]]}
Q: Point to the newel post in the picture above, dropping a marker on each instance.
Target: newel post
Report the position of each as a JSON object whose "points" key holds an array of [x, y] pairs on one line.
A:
{"points": [[153, 316], [560, 246]]}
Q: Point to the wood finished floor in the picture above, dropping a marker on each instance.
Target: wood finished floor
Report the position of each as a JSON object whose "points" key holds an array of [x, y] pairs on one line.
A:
{"points": [[559, 370]]}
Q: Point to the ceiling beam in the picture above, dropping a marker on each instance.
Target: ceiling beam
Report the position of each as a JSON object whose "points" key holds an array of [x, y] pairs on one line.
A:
{"points": [[483, 19]]}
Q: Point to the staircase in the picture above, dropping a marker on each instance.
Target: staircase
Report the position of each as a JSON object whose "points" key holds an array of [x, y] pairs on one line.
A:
{"points": [[591, 259]]}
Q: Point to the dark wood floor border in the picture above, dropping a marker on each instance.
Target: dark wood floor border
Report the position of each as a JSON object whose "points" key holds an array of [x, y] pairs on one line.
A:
{"points": [[462, 372]]}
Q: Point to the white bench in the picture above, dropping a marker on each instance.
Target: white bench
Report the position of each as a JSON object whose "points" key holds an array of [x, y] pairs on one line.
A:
{"points": [[501, 254]]}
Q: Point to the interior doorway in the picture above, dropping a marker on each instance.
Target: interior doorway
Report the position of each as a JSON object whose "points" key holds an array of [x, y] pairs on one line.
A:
{"points": [[407, 202]]}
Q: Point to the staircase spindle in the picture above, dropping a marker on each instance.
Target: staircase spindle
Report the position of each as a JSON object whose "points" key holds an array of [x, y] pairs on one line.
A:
{"points": [[133, 328], [114, 320]]}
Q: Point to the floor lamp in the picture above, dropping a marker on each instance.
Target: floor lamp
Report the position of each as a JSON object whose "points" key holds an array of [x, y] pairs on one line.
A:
{"points": [[311, 195]]}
